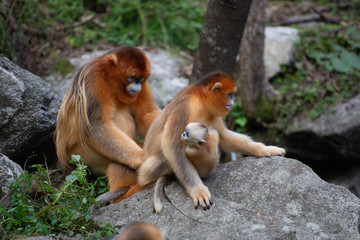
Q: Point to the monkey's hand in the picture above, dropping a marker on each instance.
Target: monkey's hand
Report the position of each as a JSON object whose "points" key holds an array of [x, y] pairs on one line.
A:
{"points": [[267, 151], [201, 197], [137, 161]]}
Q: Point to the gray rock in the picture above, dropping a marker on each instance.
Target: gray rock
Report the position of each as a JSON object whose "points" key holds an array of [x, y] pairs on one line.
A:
{"points": [[279, 48], [334, 136], [256, 198], [165, 79], [9, 173], [28, 111]]}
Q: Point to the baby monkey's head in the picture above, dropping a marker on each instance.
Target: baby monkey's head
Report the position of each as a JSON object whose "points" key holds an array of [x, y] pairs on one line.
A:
{"points": [[195, 134]]}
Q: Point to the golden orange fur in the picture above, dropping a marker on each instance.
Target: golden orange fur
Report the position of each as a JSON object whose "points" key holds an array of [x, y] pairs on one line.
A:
{"points": [[201, 148], [108, 104], [141, 231], [205, 102]]}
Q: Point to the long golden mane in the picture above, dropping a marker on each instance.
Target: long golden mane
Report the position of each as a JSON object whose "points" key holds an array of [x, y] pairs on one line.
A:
{"points": [[73, 122]]}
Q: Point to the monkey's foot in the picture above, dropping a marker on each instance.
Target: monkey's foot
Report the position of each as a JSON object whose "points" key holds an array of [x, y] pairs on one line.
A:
{"points": [[201, 197], [268, 151]]}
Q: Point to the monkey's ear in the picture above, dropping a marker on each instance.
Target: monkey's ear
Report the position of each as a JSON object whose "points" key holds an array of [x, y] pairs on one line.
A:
{"points": [[217, 86], [112, 58]]}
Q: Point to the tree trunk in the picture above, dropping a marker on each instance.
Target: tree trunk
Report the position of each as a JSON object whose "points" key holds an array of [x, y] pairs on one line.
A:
{"points": [[258, 98], [220, 36]]}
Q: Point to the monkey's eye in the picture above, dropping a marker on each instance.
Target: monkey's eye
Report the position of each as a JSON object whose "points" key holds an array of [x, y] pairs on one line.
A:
{"points": [[135, 79], [186, 133], [231, 96]]}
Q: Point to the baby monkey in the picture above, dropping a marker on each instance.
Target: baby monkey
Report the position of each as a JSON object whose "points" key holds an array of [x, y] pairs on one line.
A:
{"points": [[201, 148]]}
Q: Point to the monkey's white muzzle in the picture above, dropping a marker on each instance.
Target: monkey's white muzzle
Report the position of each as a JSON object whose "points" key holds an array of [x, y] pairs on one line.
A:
{"points": [[133, 88]]}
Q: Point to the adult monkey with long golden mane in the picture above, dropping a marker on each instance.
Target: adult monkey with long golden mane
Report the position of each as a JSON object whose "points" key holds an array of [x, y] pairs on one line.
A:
{"points": [[205, 102], [107, 106]]}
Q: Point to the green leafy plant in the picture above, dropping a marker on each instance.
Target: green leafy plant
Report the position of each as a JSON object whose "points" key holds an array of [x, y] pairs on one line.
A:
{"points": [[176, 23], [45, 210], [326, 67], [173, 24], [326, 73], [240, 120], [338, 54]]}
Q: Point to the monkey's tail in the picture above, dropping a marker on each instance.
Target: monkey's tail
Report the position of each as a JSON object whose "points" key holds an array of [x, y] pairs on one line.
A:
{"points": [[159, 193], [133, 189], [106, 197]]}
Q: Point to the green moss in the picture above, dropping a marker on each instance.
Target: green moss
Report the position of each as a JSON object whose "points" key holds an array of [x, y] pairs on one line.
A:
{"points": [[64, 67]]}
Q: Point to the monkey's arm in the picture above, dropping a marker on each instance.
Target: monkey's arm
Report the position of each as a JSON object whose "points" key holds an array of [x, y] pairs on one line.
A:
{"points": [[109, 141], [184, 169], [213, 142], [236, 142], [145, 110]]}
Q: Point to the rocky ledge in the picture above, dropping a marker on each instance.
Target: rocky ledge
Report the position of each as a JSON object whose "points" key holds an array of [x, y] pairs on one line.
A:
{"points": [[254, 198]]}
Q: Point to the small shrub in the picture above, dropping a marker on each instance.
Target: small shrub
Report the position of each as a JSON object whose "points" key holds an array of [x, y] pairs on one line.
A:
{"points": [[50, 210]]}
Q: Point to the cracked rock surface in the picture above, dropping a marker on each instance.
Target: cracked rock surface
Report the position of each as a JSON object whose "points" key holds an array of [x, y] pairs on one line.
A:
{"points": [[28, 110], [254, 198]]}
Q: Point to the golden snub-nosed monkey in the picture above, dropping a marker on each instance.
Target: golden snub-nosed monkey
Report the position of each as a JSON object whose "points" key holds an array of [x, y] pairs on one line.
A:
{"points": [[107, 106]]}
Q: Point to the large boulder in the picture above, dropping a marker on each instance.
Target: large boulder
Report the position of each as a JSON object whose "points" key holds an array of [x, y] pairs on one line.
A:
{"points": [[28, 111], [279, 48], [255, 198], [333, 137]]}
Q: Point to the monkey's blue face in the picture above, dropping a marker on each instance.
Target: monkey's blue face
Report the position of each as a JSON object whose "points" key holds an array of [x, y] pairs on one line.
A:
{"points": [[185, 136], [135, 86], [230, 104], [195, 134]]}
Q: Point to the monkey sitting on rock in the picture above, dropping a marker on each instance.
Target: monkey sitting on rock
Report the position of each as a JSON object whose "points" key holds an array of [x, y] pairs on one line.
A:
{"points": [[207, 101], [108, 105]]}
